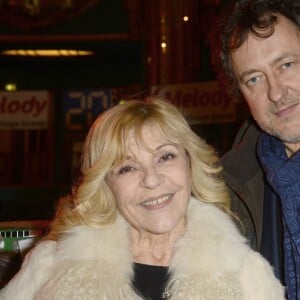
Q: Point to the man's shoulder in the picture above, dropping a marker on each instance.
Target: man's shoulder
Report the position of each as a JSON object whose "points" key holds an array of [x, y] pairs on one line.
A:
{"points": [[242, 157], [246, 137]]}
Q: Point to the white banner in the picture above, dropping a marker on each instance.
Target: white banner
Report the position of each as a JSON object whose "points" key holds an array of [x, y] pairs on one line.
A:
{"points": [[24, 110]]}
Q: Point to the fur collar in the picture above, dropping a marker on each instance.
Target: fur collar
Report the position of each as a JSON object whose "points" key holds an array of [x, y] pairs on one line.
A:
{"points": [[197, 266], [211, 261]]}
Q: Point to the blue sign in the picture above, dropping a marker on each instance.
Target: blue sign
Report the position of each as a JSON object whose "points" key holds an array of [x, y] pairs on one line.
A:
{"points": [[81, 107]]}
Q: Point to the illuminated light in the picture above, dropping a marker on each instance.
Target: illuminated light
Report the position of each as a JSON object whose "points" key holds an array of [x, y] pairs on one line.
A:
{"points": [[72, 52], [185, 18], [83, 53], [46, 52], [122, 101], [163, 45], [31, 52], [14, 52], [10, 87], [20, 52], [63, 52]]}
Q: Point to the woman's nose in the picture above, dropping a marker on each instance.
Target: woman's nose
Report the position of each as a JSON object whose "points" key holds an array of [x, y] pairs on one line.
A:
{"points": [[151, 178]]}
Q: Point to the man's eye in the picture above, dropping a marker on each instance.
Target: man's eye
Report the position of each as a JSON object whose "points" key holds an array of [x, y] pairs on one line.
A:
{"points": [[166, 157], [287, 65], [252, 80]]}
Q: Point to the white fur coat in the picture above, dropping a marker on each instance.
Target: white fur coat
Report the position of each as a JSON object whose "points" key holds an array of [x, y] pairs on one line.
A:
{"points": [[211, 262]]}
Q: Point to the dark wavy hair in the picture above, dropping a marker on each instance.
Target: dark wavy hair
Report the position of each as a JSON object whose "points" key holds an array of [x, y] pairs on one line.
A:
{"points": [[257, 17]]}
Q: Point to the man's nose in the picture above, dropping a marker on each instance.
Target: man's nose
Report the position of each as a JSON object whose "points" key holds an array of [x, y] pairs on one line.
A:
{"points": [[277, 89]]}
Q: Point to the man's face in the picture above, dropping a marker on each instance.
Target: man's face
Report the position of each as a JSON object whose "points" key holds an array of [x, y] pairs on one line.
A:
{"points": [[268, 73]]}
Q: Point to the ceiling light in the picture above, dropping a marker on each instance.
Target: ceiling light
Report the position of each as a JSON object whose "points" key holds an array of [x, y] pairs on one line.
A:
{"points": [[10, 87], [46, 52]]}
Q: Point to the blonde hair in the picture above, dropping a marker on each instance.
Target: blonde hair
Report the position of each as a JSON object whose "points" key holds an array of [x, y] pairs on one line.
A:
{"points": [[92, 203]]}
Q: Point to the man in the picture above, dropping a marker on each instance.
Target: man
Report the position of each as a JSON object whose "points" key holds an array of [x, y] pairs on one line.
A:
{"points": [[261, 56]]}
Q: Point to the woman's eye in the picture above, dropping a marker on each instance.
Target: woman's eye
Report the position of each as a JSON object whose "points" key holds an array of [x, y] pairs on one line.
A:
{"points": [[166, 157], [125, 169]]}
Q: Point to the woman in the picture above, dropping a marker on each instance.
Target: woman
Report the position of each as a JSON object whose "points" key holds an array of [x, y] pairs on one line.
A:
{"points": [[149, 219]]}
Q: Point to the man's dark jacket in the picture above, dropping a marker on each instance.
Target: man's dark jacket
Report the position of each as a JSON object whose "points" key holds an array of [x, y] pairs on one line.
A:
{"points": [[244, 176]]}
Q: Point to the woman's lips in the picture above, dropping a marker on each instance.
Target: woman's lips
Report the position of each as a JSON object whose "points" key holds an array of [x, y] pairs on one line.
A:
{"points": [[157, 202]]}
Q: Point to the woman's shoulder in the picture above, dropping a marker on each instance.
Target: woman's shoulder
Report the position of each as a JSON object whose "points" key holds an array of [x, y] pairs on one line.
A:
{"points": [[258, 280], [41, 252], [86, 242], [35, 270], [213, 248], [212, 231]]}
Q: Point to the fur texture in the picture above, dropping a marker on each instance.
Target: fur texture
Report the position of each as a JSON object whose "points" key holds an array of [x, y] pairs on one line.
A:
{"points": [[211, 261]]}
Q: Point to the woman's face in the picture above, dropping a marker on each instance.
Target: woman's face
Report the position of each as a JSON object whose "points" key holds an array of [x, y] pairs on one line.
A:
{"points": [[152, 188]]}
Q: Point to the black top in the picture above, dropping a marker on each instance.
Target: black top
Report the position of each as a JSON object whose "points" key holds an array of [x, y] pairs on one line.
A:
{"points": [[150, 281]]}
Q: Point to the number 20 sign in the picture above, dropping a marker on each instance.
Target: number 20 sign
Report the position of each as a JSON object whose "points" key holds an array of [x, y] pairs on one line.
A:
{"points": [[83, 106]]}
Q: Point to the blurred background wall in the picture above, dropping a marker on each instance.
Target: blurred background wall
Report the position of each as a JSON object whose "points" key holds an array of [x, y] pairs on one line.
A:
{"points": [[63, 62]]}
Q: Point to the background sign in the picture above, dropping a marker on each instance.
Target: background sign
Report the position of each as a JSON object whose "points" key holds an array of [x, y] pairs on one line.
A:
{"points": [[24, 110], [200, 102], [83, 106], [80, 109]]}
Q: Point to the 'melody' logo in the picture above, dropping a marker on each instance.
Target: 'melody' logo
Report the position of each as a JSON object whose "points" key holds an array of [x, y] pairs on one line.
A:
{"points": [[31, 106], [201, 102], [24, 110]]}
